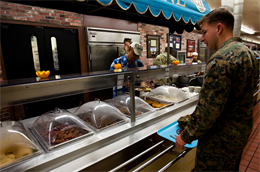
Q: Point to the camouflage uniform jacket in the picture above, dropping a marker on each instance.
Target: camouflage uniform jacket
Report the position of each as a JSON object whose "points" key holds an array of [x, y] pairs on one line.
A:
{"points": [[161, 59], [123, 52], [223, 118]]}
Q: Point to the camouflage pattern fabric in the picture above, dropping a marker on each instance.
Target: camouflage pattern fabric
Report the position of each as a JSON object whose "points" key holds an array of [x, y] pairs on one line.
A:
{"points": [[161, 59], [163, 81], [223, 118], [123, 52]]}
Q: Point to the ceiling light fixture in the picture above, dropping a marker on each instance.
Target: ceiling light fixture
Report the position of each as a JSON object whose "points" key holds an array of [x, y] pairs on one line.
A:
{"points": [[249, 31]]}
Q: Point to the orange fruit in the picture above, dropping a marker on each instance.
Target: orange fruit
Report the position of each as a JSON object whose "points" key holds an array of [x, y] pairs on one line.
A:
{"points": [[117, 66]]}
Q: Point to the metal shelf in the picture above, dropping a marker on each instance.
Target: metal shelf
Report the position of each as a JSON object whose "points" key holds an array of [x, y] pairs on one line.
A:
{"points": [[12, 95]]}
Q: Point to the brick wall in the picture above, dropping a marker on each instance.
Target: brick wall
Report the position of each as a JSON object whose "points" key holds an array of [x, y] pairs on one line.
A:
{"points": [[18, 12], [147, 29], [13, 11], [184, 37]]}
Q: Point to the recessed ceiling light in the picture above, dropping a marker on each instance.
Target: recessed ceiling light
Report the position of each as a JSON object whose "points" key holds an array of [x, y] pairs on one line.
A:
{"points": [[247, 30]]}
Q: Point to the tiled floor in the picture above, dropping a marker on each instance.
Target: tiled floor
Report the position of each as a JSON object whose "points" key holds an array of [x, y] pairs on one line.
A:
{"points": [[250, 160]]}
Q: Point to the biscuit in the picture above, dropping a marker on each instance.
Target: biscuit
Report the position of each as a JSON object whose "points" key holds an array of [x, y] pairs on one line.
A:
{"points": [[149, 102], [156, 105]]}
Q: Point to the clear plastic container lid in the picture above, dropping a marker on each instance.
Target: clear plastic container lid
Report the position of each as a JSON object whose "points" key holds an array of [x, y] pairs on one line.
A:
{"points": [[16, 144], [58, 127], [100, 115], [168, 93], [122, 102]]}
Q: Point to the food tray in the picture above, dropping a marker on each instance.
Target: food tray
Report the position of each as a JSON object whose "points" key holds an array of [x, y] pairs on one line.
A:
{"points": [[143, 89], [17, 142], [86, 117], [160, 101], [166, 101], [173, 130], [138, 113], [168, 94], [100, 116], [53, 147], [57, 128], [122, 103]]}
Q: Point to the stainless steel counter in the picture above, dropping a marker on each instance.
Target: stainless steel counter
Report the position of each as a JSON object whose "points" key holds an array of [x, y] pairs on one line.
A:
{"points": [[83, 153]]}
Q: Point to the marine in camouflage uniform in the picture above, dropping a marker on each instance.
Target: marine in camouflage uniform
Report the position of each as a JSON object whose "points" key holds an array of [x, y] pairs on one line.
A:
{"points": [[127, 43], [223, 118], [161, 59]]}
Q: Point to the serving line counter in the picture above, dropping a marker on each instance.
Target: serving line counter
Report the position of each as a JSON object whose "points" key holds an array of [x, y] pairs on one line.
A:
{"points": [[115, 142], [86, 152]]}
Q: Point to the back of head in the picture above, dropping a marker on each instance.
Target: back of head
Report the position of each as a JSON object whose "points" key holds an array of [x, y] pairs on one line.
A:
{"points": [[128, 40], [219, 15]]}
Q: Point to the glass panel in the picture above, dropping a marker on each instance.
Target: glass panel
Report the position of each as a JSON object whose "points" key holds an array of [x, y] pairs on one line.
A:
{"points": [[35, 53], [55, 53]]}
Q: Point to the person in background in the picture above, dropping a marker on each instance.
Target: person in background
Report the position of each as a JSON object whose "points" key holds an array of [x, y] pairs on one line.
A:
{"points": [[195, 58], [125, 50], [131, 59], [161, 59], [223, 118]]}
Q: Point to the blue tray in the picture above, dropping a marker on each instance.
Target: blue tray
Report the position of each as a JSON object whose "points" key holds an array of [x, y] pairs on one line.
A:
{"points": [[173, 129]]}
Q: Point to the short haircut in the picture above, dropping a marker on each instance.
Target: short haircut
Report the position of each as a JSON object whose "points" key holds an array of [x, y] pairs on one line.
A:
{"points": [[219, 15], [128, 40]]}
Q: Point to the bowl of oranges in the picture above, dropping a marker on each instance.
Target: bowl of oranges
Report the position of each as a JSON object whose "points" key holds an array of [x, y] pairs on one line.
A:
{"points": [[175, 62], [43, 74]]}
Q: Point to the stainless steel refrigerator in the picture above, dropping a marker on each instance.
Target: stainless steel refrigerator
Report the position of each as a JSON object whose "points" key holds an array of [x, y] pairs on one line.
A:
{"points": [[104, 45], [204, 52]]}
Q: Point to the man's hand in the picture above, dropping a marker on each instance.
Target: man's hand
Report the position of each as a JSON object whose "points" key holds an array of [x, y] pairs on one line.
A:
{"points": [[179, 142]]}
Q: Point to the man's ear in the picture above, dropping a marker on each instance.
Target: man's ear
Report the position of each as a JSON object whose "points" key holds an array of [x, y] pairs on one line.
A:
{"points": [[219, 28]]}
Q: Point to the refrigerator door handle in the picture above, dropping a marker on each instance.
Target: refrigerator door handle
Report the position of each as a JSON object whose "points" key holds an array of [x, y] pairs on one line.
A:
{"points": [[89, 57], [90, 62]]}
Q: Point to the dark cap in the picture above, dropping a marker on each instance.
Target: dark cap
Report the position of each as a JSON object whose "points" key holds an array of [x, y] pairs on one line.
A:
{"points": [[128, 40]]}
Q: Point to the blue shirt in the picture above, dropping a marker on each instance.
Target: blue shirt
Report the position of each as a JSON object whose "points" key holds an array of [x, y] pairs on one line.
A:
{"points": [[124, 63]]}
